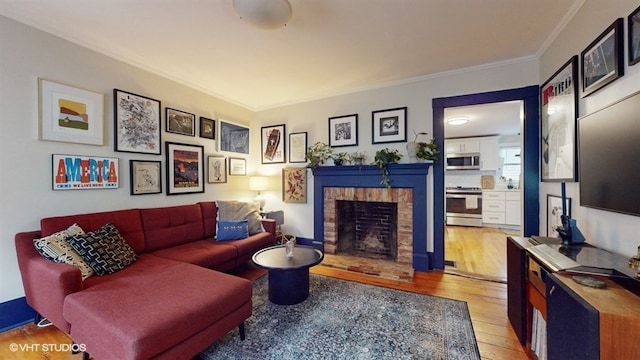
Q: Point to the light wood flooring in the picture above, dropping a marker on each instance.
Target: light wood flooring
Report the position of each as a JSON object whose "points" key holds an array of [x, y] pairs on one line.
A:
{"points": [[487, 302], [477, 251]]}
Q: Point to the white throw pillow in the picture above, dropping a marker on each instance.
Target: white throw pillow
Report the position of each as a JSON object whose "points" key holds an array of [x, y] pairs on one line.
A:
{"points": [[55, 248]]}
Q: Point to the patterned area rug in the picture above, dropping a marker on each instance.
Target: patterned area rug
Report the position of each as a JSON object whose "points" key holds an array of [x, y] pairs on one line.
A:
{"points": [[348, 320]]}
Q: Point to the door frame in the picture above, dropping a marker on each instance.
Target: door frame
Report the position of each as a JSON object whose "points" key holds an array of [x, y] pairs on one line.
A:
{"points": [[530, 164]]}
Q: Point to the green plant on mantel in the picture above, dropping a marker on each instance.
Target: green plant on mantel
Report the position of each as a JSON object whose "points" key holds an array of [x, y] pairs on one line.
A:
{"points": [[318, 153], [383, 158], [340, 158], [420, 150]]}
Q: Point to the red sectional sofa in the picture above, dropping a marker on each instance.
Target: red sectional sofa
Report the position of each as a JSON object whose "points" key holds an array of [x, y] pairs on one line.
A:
{"points": [[171, 303]]}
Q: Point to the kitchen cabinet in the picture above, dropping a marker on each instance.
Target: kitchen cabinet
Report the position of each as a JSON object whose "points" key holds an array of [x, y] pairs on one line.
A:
{"points": [[501, 207], [489, 154], [512, 208], [462, 146]]}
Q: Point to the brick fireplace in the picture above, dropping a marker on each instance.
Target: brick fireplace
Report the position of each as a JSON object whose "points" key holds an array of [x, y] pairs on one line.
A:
{"points": [[408, 196]]}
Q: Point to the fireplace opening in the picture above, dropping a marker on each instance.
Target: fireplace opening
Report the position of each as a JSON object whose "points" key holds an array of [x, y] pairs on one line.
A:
{"points": [[367, 229]]}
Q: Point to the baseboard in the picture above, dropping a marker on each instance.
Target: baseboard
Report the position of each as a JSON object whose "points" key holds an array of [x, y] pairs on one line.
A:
{"points": [[15, 313], [310, 242]]}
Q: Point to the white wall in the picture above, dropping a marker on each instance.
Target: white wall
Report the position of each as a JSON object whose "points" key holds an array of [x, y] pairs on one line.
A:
{"points": [[417, 96], [615, 232], [25, 179]]}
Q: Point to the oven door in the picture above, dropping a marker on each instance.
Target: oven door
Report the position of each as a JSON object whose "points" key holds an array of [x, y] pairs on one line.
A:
{"points": [[464, 209]]}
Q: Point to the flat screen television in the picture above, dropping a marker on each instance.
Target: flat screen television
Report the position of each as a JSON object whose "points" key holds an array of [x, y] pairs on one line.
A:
{"points": [[609, 157]]}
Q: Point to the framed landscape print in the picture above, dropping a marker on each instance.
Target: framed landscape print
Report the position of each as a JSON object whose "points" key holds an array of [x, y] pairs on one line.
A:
{"points": [[69, 114], [554, 211], [207, 128], [389, 125], [233, 137], [343, 130], [294, 185], [603, 59], [137, 123], [558, 119], [273, 144], [180, 122], [185, 168], [81, 172], [237, 166], [217, 169], [145, 177], [634, 37], [298, 147]]}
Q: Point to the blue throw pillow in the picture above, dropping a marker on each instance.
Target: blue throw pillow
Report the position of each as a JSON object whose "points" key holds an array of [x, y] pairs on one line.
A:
{"points": [[232, 230]]}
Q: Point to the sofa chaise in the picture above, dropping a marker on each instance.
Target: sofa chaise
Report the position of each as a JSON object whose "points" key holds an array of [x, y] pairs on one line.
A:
{"points": [[170, 302]]}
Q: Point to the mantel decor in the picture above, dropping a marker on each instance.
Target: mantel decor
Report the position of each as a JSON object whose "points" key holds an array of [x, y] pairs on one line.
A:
{"points": [[389, 125], [603, 60]]}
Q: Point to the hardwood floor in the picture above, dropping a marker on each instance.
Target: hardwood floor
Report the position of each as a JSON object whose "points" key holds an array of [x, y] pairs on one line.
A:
{"points": [[487, 302]]}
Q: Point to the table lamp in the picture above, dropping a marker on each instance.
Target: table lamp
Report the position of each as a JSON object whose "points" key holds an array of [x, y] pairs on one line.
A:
{"points": [[259, 183]]}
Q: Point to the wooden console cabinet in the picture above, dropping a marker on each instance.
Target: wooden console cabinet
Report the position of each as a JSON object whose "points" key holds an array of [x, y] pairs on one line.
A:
{"points": [[581, 322]]}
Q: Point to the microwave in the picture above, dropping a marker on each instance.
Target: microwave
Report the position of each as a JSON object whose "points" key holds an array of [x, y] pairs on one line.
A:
{"points": [[467, 161]]}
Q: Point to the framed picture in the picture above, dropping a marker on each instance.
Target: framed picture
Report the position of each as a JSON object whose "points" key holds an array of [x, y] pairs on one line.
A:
{"points": [[145, 177], [298, 147], [389, 125], [233, 137], [70, 114], [80, 172], [554, 211], [137, 123], [634, 36], [185, 168], [207, 128], [294, 185], [237, 166], [558, 115], [343, 130], [273, 144], [180, 122], [217, 169], [603, 59]]}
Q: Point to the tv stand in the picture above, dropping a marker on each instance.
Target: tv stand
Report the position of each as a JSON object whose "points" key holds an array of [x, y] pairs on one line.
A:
{"points": [[581, 322]]}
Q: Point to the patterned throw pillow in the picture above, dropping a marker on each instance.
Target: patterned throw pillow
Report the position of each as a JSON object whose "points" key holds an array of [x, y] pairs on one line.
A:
{"points": [[232, 230], [55, 248], [104, 249], [238, 210]]}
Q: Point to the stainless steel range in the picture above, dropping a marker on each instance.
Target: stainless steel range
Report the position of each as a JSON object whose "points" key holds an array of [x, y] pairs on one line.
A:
{"points": [[464, 206]]}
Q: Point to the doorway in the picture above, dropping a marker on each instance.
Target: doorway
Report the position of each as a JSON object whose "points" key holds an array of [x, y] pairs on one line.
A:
{"points": [[530, 159]]}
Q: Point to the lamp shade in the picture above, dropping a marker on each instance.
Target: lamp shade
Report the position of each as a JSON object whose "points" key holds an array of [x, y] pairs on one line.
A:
{"points": [[258, 183], [264, 14]]}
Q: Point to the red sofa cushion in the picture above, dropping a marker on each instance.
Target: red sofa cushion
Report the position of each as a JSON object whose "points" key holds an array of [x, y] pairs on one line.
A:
{"points": [[128, 223], [170, 226], [205, 253]]}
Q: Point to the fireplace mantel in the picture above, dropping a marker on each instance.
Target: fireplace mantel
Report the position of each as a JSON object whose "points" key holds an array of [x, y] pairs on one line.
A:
{"points": [[412, 176]]}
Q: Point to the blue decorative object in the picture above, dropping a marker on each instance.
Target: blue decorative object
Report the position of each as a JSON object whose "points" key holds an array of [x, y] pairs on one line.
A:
{"points": [[232, 230]]}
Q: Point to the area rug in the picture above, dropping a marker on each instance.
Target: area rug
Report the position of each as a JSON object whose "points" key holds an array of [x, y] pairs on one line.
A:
{"points": [[348, 320]]}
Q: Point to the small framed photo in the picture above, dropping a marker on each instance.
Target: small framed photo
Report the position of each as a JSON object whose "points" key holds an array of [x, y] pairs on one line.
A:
{"points": [[634, 37], [233, 137], [389, 125], [237, 166], [137, 123], [554, 211], [180, 122], [294, 185], [81, 172], [145, 176], [603, 59], [207, 128], [273, 144], [343, 130], [185, 168], [70, 114], [298, 147], [217, 169]]}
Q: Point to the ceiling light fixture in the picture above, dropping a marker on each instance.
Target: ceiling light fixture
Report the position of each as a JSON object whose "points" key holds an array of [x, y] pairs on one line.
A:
{"points": [[460, 120], [264, 14]]}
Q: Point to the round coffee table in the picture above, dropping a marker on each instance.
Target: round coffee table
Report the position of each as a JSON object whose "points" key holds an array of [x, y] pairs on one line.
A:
{"points": [[288, 276]]}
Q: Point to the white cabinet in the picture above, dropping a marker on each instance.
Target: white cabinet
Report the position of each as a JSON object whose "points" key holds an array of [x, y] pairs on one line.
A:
{"points": [[501, 207], [462, 146], [489, 154]]}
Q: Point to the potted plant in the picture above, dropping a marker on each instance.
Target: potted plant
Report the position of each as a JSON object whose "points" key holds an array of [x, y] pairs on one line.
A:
{"points": [[419, 150], [317, 154], [340, 158], [382, 159], [357, 158]]}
